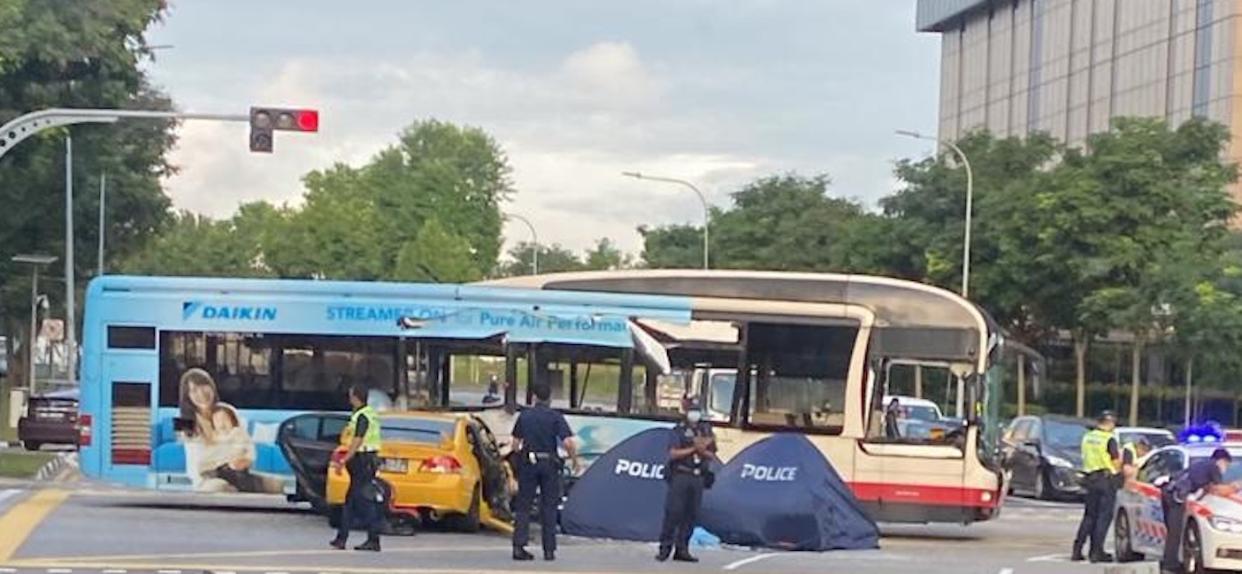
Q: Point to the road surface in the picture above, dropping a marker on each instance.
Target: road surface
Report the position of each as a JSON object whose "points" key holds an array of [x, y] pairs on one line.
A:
{"points": [[95, 530]]}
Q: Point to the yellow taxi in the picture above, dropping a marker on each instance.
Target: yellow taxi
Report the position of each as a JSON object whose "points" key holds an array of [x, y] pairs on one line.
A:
{"points": [[440, 467]]}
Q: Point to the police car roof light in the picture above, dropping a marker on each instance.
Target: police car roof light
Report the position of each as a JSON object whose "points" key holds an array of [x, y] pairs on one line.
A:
{"points": [[1209, 432]]}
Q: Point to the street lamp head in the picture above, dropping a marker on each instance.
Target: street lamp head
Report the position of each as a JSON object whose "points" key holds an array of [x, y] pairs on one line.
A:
{"points": [[632, 174], [35, 259], [911, 134]]}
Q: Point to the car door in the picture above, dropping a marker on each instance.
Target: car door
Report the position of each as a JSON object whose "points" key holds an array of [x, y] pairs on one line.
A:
{"points": [[1026, 457], [307, 442], [1143, 502], [1018, 434]]}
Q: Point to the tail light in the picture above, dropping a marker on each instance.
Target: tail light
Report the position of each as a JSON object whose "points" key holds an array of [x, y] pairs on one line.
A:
{"points": [[443, 464], [84, 429]]}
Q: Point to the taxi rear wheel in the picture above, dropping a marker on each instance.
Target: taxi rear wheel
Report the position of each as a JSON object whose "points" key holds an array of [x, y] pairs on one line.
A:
{"points": [[471, 521], [1123, 545]]}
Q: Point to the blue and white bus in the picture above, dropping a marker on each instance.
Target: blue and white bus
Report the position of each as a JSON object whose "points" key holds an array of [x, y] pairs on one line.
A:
{"points": [[185, 381]]}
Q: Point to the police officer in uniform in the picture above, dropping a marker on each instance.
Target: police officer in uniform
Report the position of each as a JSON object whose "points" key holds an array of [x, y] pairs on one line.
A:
{"points": [[1131, 454], [361, 459], [692, 449], [536, 435], [1101, 463], [1201, 475]]}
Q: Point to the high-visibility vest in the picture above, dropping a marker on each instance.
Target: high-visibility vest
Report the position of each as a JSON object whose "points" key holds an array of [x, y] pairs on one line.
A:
{"points": [[1133, 450], [1095, 455], [371, 440]]}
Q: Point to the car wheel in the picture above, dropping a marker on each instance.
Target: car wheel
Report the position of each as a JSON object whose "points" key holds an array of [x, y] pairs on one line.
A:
{"points": [[334, 515], [471, 521], [1123, 546], [1042, 489], [1192, 550], [31, 445]]}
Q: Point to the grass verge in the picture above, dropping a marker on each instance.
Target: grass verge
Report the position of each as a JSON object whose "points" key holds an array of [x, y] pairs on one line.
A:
{"points": [[20, 464]]}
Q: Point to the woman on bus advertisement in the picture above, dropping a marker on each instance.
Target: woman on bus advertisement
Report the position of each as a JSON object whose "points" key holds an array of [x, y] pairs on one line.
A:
{"points": [[219, 452]]}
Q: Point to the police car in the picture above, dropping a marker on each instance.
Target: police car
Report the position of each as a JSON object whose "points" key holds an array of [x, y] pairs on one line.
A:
{"points": [[1212, 538]]}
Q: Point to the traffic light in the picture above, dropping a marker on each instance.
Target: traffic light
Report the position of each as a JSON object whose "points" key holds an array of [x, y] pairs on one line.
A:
{"points": [[265, 121]]}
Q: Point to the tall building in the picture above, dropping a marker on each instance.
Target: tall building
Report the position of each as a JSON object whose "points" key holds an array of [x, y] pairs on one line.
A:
{"points": [[1067, 67]]}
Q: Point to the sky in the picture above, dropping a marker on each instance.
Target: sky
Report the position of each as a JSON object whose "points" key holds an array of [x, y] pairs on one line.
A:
{"points": [[715, 92]]}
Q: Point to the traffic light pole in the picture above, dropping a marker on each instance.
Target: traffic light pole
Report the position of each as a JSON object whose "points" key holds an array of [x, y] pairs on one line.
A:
{"points": [[30, 124]]}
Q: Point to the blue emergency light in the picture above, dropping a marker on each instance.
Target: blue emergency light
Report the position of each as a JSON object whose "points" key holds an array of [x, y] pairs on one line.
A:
{"points": [[1206, 433]]}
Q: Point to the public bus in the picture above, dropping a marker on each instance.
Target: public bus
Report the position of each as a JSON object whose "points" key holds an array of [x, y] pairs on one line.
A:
{"points": [[262, 351], [806, 353], [816, 353]]}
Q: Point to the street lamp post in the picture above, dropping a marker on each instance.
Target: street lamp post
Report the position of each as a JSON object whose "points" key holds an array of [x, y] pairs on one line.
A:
{"points": [[707, 213], [534, 264], [35, 262], [970, 193]]}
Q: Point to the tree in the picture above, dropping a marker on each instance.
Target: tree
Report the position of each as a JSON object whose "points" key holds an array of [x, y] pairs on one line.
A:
{"points": [[605, 256], [552, 259], [672, 246], [54, 55], [436, 255], [1167, 210]]}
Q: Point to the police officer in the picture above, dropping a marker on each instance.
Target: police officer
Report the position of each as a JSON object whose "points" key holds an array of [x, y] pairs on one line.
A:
{"points": [[692, 448], [536, 435], [1133, 452], [361, 459], [1201, 475], [1101, 462]]}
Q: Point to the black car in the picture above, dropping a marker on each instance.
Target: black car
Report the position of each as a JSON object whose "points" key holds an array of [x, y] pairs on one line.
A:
{"points": [[1044, 455], [51, 418]]}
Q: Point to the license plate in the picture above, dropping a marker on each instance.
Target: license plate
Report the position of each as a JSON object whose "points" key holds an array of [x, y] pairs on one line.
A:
{"points": [[398, 465]]}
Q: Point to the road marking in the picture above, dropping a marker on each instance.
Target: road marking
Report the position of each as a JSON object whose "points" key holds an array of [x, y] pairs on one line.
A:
{"points": [[751, 560], [249, 569], [72, 560], [1047, 558], [113, 571], [8, 570], [1006, 571], [168, 571], [24, 517], [59, 571], [8, 493]]}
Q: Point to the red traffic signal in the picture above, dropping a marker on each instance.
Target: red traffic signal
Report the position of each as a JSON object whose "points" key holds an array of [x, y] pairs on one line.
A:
{"points": [[263, 121]]}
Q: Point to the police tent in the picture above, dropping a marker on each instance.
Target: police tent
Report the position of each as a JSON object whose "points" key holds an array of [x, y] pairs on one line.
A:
{"points": [[622, 494], [781, 492]]}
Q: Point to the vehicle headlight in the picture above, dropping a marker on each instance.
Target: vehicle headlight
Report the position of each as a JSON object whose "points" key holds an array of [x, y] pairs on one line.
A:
{"points": [[1225, 524], [1059, 462]]}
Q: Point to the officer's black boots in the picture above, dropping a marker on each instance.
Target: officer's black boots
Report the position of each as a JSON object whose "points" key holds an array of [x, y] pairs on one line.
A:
{"points": [[521, 555], [371, 545], [337, 543], [664, 553], [549, 555], [684, 557], [1106, 557]]}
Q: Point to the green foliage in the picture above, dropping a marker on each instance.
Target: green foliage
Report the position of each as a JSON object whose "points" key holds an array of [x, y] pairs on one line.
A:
{"points": [[426, 209], [672, 246], [56, 53], [436, 255]]}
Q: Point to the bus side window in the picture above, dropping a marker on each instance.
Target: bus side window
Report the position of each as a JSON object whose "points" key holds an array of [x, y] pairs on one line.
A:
{"points": [[801, 372]]}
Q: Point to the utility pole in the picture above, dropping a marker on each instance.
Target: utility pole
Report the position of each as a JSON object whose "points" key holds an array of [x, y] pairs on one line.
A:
{"points": [[103, 199], [71, 340]]}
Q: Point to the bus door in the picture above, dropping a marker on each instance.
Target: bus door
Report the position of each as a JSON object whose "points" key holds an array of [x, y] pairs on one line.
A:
{"points": [[124, 426], [911, 464]]}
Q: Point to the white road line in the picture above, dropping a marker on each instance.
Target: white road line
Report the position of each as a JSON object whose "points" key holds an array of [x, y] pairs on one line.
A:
{"points": [[745, 561], [8, 493], [8, 570], [59, 570], [114, 571], [168, 571], [1006, 571], [1047, 558]]}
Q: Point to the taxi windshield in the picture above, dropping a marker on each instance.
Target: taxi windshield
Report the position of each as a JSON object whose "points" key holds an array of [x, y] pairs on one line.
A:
{"points": [[922, 413]]}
